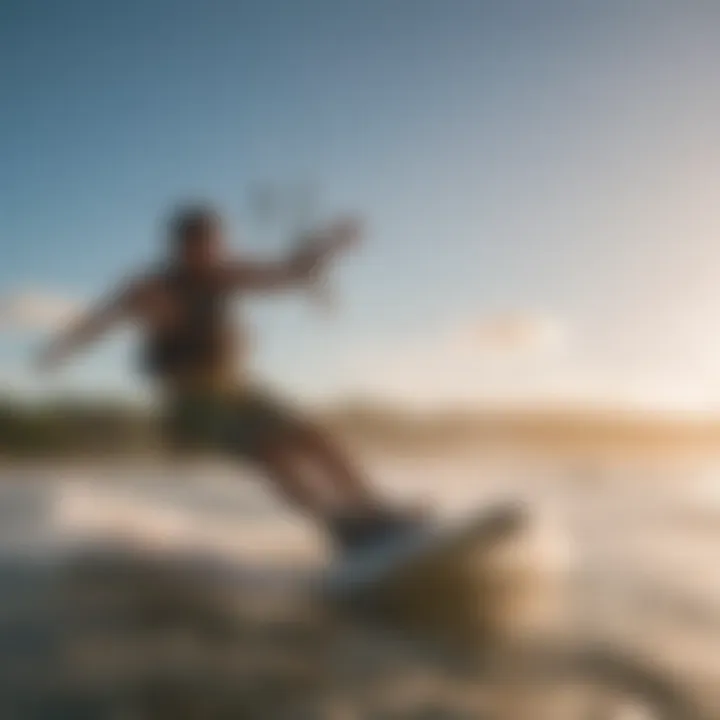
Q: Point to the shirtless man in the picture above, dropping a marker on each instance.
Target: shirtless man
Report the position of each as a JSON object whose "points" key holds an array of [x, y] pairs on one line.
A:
{"points": [[191, 350]]}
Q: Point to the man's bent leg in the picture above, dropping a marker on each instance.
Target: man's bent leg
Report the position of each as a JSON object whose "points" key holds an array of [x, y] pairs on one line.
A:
{"points": [[287, 474], [352, 490], [274, 435], [313, 472]]}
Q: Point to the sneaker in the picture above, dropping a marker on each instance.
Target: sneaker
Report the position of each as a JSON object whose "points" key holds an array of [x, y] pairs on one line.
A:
{"points": [[357, 533]]}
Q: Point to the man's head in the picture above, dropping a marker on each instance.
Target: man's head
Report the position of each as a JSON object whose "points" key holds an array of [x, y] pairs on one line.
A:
{"points": [[196, 237]]}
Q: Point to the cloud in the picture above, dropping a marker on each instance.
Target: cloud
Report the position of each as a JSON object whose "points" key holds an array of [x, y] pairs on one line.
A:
{"points": [[35, 310], [496, 357], [511, 334], [517, 360]]}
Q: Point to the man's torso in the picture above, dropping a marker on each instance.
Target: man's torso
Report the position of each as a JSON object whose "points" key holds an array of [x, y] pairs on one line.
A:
{"points": [[190, 339]]}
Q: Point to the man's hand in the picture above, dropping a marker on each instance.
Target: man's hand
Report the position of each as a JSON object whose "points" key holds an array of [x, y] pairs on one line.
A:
{"points": [[89, 327], [345, 233], [319, 248], [303, 267]]}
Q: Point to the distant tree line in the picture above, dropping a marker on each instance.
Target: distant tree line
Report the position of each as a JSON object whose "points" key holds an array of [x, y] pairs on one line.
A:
{"points": [[72, 427]]}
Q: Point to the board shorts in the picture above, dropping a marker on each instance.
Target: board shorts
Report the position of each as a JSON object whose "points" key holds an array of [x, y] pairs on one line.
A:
{"points": [[242, 422]]}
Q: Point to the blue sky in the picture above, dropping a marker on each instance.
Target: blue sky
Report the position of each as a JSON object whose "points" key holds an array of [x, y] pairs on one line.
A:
{"points": [[555, 161]]}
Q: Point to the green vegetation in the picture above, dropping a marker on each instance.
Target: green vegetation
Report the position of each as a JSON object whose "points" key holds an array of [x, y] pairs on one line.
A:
{"points": [[71, 427]]}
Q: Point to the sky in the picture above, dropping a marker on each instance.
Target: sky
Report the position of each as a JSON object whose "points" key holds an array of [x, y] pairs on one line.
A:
{"points": [[540, 183]]}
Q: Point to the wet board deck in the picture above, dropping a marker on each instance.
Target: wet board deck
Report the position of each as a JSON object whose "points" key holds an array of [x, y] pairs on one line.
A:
{"points": [[367, 571]]}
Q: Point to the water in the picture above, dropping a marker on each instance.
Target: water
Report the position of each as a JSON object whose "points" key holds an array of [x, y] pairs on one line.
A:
{"points": [[636, 536]]}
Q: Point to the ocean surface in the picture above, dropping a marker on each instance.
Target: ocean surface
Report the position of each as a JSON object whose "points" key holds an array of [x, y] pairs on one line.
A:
{"points": [[628, 544]]}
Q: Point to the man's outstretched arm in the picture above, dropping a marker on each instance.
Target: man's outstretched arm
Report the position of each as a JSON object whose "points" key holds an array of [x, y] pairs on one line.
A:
{"points": [[298, 268], [90, 326], [267, 275]]}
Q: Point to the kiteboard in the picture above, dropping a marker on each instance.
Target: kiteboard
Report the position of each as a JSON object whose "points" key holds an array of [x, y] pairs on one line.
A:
{"points": [[416, 552]]}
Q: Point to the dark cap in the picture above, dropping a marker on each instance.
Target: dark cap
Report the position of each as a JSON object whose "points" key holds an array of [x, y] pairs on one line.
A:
{"points": [[191, 221]]}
